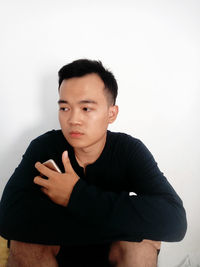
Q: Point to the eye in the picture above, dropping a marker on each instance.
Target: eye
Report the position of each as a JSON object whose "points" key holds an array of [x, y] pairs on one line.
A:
{"points": [[63, 109], [87, 109]]}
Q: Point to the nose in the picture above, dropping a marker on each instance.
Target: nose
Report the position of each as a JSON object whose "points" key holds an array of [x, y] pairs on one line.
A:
{"points": [[74, 118]]}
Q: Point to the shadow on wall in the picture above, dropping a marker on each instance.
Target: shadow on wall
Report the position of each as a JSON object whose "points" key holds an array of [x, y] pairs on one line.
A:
{"points": [[12, 154], [191, 260]]}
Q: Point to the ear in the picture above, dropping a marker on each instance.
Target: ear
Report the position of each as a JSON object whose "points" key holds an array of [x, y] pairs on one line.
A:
{"points": [[112, 113]]}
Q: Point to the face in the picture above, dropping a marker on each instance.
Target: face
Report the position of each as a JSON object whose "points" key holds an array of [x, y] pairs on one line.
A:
{"points": [[85, 112]]}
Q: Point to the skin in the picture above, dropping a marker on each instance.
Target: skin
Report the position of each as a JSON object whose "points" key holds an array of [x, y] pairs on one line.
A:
{"points": [[59, 186], [85, 111], [84, 107]]}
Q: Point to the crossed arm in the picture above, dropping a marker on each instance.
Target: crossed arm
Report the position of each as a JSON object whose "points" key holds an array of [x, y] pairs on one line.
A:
{"points": [[58, 187], [69, 210]]}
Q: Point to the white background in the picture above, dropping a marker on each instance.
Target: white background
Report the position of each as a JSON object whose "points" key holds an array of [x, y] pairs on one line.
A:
{"points": [[153, 48]]}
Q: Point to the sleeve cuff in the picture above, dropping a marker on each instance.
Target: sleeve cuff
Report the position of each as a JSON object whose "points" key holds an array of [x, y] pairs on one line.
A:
{"points": [[75, 197]]}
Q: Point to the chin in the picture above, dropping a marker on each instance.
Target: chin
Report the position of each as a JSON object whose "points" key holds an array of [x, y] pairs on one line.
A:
{"points": [[75, 143]]}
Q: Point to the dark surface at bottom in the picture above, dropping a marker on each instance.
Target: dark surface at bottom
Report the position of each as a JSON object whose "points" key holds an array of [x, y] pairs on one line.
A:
{"points": [[84, 256]]}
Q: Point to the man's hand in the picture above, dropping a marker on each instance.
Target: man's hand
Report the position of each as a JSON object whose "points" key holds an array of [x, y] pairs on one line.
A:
{"points": [[59, 186]]}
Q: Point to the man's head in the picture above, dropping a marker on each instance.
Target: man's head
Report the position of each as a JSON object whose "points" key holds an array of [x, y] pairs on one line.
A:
{"points": [[81, 67], [86, 105]]}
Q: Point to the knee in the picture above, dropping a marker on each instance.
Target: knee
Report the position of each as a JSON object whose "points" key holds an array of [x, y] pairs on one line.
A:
{"points": [[120, 251], [21, 251], [116, 252], [153, 244]]}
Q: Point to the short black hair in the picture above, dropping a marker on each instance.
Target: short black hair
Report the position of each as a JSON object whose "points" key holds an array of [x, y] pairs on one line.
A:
{"points": [[81, 67]]}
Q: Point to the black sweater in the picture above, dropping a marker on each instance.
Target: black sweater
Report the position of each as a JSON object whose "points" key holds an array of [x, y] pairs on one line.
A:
{"points": [[100, 208]]}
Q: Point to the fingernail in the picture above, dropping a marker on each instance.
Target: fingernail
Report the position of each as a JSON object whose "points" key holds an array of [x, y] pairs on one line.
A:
{"points": [[66, 153], [37, 164]]}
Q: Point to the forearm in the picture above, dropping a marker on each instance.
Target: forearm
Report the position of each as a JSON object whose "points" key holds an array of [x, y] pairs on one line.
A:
{"points": [[157, 217]]}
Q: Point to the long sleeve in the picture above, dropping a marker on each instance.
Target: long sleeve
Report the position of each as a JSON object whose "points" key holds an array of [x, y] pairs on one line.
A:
{"points": [[156, 212], [95, 213]]}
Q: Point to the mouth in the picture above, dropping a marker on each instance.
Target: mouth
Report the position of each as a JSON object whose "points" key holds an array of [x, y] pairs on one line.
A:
{"points": [[75, 134]]}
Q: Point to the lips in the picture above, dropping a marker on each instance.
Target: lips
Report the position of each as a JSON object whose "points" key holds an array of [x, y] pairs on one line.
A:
{"points": [[75, 134]]}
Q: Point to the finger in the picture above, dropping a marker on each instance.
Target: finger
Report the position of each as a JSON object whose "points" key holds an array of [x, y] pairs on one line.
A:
{"points": [[66, 162], [44, 169], [44, 190], [40, 181]]}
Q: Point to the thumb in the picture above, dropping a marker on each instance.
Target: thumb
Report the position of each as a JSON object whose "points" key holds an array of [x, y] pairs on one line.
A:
{"points": [[66, 162]]}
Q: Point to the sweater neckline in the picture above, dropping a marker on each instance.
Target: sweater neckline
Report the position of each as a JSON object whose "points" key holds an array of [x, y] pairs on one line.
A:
{"points": [[98, 160]]}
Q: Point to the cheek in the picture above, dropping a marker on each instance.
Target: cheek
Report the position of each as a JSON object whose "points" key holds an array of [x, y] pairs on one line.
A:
{"points": [[99, 119], [61, 118]]}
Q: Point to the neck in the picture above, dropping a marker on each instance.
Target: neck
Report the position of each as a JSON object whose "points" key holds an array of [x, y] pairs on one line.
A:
{"points": [[89, 155]]}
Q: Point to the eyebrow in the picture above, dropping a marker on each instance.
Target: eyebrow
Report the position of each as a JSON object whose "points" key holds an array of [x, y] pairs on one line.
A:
{"points": [[86, 101]]}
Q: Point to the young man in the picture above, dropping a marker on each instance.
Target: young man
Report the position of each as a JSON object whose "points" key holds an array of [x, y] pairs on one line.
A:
{"points": [[85, 215]]}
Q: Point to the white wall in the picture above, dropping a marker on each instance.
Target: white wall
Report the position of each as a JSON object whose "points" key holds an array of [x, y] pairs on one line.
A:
{"points": [[153, 49]]}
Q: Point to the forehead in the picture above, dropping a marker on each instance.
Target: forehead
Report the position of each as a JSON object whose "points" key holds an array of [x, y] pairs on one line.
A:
{"points": [[89, 85]]}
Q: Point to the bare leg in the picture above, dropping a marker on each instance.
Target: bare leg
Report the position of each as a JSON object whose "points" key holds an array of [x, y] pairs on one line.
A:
{"points": [[134, 254], [32, 255]]}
